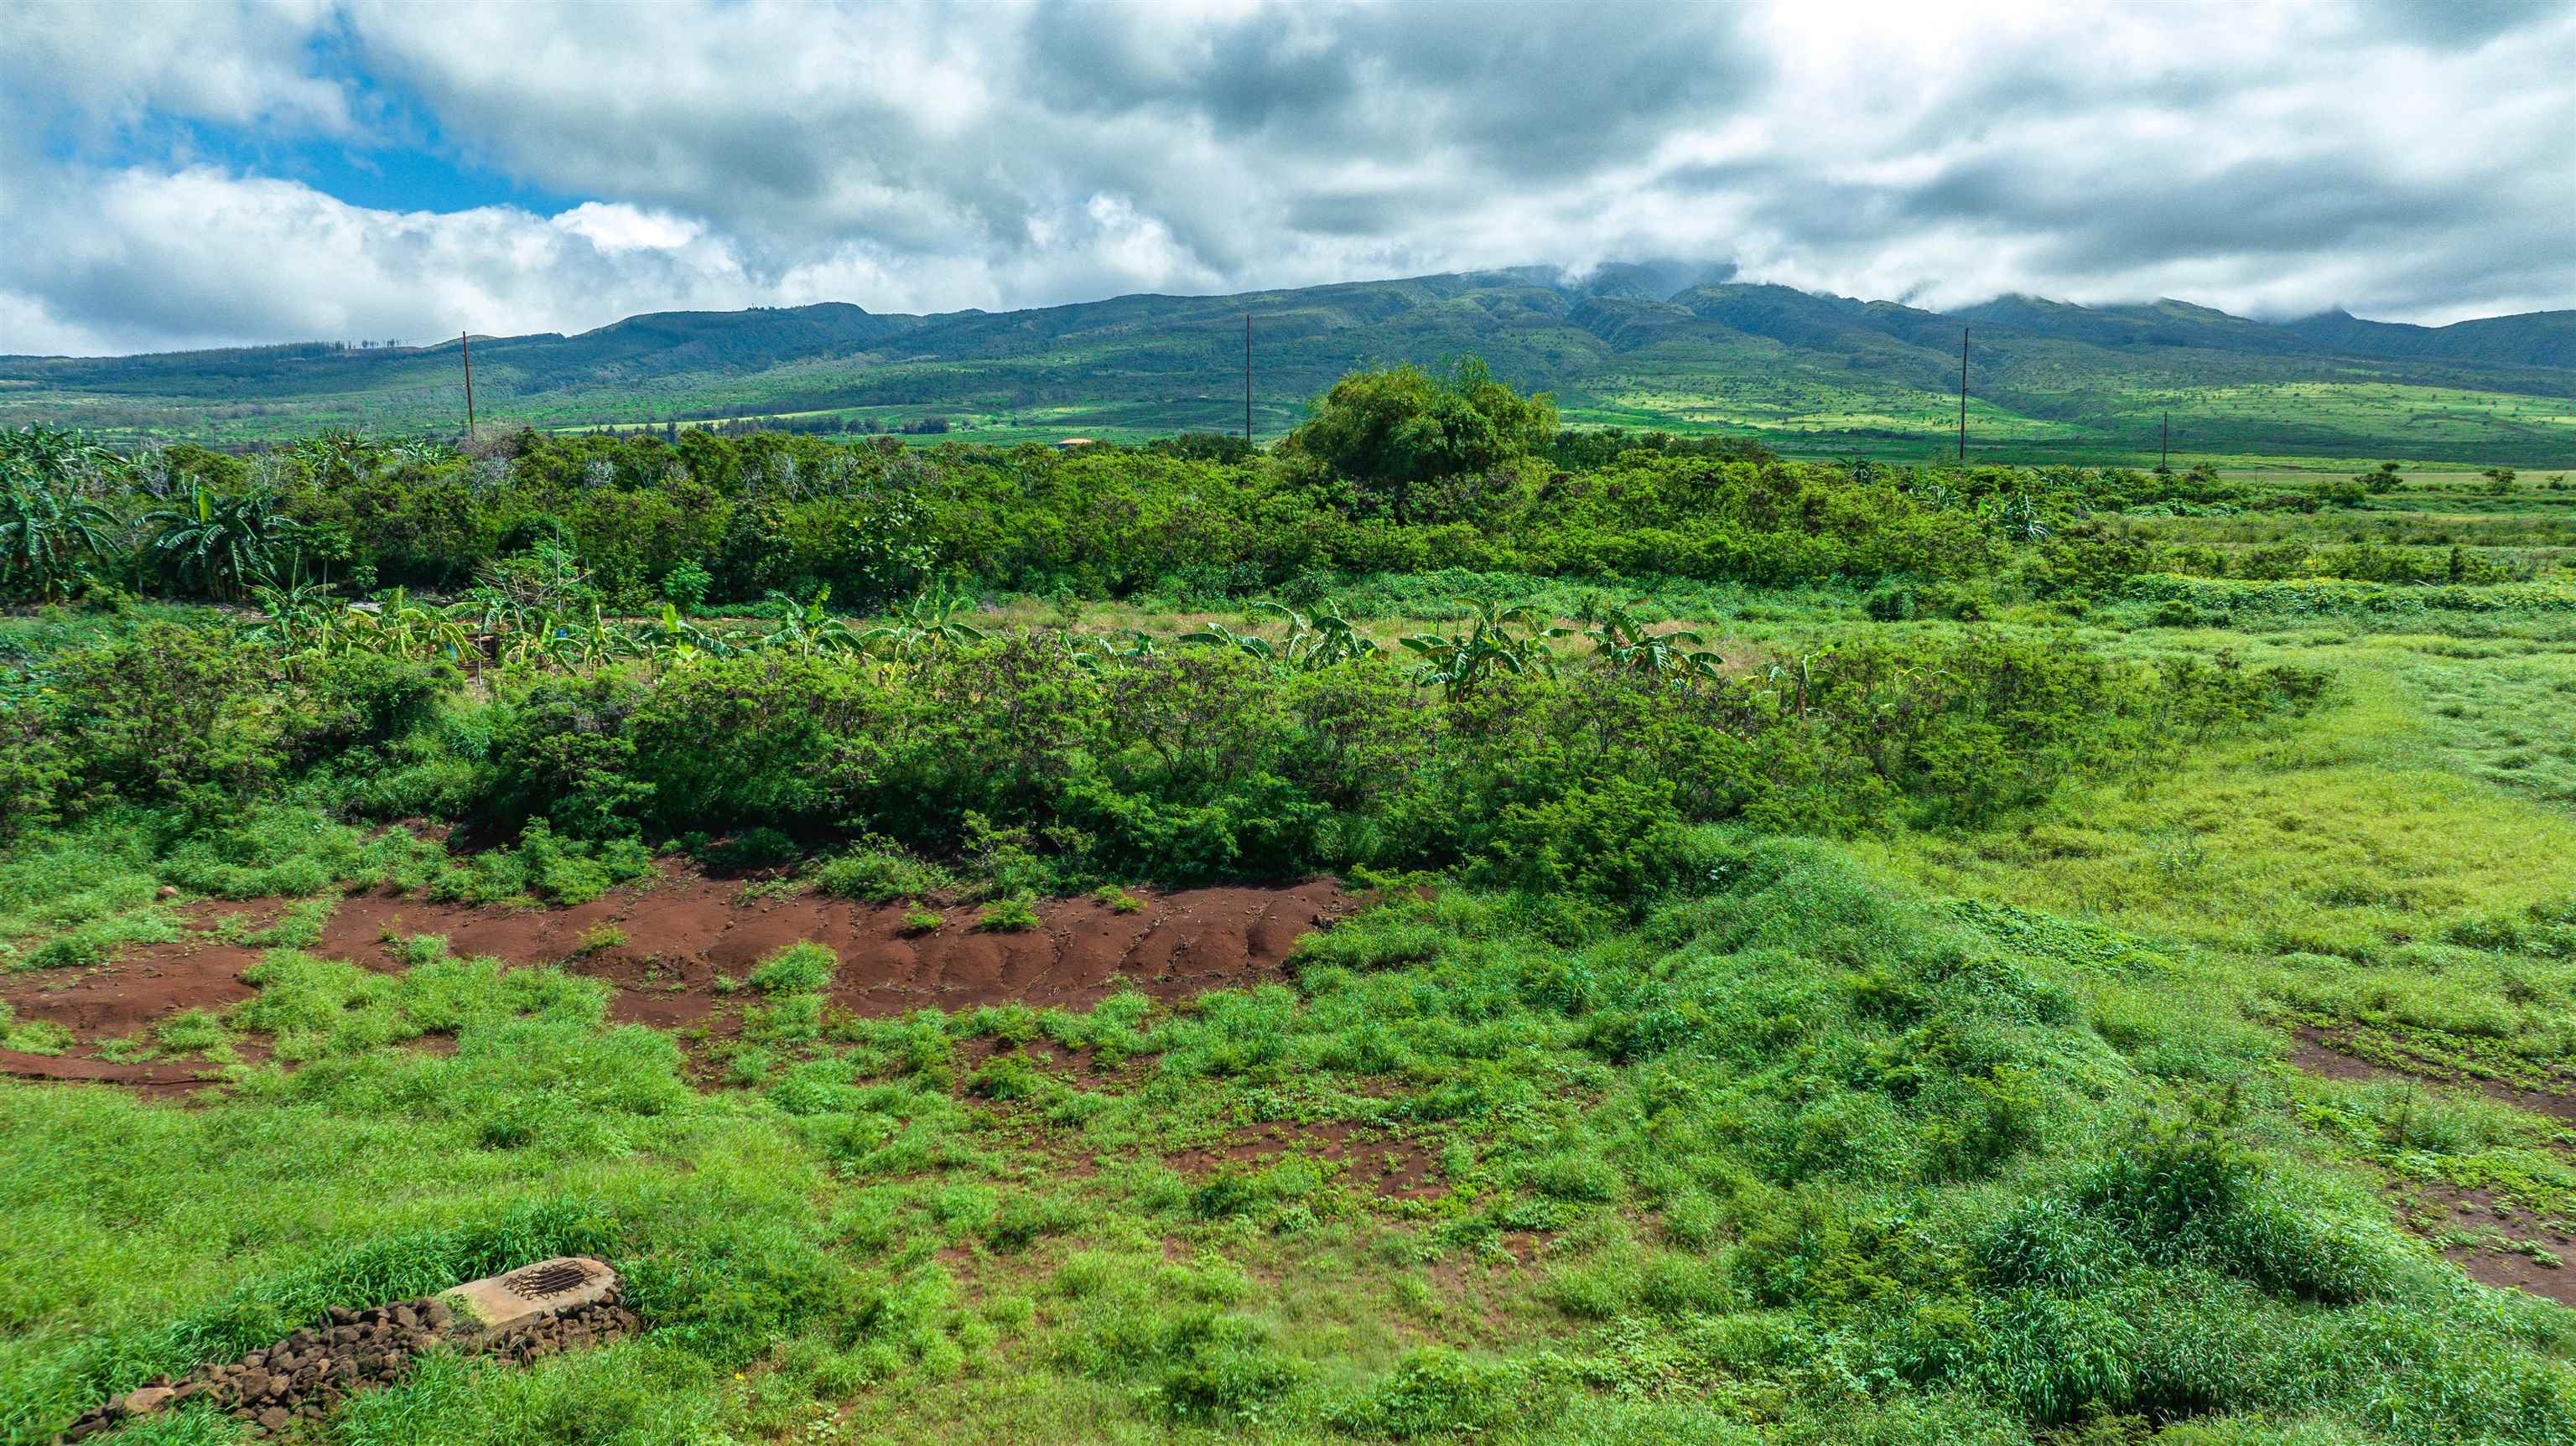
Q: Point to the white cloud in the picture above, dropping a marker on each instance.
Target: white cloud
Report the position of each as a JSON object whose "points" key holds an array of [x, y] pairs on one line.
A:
{"points": [[613, 226], [1020, 152]]}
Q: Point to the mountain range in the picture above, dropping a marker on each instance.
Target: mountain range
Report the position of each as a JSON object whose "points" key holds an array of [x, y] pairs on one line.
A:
{"points": [[1659, 345]]}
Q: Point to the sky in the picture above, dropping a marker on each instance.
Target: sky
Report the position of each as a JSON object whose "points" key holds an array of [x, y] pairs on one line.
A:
{"points": [[192, 173]]}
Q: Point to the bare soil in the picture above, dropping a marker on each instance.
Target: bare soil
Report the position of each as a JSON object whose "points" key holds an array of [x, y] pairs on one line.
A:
{"points": [[2320, 1053], [2463, 1210], [685, 932], [2478, 1212], [1386, 1165]]}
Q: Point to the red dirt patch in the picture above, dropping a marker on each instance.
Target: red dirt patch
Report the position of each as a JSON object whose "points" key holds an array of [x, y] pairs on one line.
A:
{"points": [[2478, 1212], [681, 933], [2320, 1053], [2471, 1211], [158, 1078], [1388, 1166]]}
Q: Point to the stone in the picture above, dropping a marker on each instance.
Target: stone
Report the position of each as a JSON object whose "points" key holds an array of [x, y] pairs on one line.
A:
{"points": [[275, 1418], [533, 1292], [149, 1398]]}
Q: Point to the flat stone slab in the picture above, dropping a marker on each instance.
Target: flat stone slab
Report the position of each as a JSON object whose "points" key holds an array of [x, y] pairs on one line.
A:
{"points": [[532, 1292]]}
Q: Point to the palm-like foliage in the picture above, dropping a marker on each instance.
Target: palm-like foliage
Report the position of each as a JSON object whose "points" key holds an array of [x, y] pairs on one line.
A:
{"points": [[1793, 685], [676, 642], [2018, 515], [295, 612], [53, 536], [1099, 655], [1621, 641], [1496, 640], [927, 624], [1251, 645], [221, 543], [808, 628], [1317, 642]]}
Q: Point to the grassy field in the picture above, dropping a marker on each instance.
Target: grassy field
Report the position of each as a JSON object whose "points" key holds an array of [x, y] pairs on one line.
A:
{"points": [[2219, 1093]]}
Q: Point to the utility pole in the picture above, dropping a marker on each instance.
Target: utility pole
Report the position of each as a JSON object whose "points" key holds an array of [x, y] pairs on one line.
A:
{"points": [[465, 343], [2165, 460], [1247, 379], [1963, 394]]}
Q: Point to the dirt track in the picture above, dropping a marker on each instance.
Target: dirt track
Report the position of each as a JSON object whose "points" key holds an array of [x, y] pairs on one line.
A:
{"points": [[2462, 1209], [681, 934]]}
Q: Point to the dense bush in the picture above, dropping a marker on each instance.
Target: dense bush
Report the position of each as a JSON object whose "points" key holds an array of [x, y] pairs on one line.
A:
{"points": [[1451, 477], [1036, 766], [1205, 763]]}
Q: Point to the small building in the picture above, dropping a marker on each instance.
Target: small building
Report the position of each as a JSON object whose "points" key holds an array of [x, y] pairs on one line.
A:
{"points": [[1067, 444]]}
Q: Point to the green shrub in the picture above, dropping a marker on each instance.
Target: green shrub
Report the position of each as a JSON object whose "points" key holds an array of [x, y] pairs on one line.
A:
{"points": [[804, 968], [1008, 916], [1890, 602], [1436, 1391], [878, 872]]}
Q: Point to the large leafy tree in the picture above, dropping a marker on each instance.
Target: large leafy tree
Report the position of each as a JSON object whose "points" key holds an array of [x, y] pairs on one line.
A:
{"points": [[54, 534], [1390, 431]]}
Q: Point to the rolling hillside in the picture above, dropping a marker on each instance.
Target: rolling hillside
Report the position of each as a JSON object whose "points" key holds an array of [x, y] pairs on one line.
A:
{"points": [[1656, 345]]}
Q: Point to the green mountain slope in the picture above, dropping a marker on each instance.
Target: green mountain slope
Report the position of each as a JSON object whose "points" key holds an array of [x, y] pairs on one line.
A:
{"points": [[1812, 372], [2538, 339]]}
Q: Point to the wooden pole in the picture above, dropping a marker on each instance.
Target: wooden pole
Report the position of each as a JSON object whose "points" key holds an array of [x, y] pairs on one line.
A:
{"points": [[1247, 379], [1963, 394], [2165, 459], [465, 344]]}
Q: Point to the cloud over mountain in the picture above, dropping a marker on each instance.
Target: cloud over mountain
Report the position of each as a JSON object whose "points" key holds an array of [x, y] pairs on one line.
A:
{"points": [[201, 173]]}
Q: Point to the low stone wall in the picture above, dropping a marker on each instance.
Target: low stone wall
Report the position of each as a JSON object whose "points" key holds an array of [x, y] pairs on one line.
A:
{"points": [[311, 1372]]}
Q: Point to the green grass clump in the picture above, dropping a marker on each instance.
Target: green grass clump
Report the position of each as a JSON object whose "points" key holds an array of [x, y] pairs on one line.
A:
{"points": [[797, 969], [32, 1036], [878, 872], [1008, 916], [542, 867]]}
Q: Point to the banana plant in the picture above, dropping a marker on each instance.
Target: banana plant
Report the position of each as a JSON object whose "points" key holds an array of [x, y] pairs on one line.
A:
{"points": [[1497, 640], [1099, 655], [52, 537], [1621, 641], [220, 542], [1317, 642], [676, 642], [927, 624], [1219, 635], [295, 614], [1793, 685], [808, 629]]}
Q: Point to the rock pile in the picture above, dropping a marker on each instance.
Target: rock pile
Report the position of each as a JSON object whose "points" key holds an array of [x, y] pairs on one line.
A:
{"points": [[307, 1375]]}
